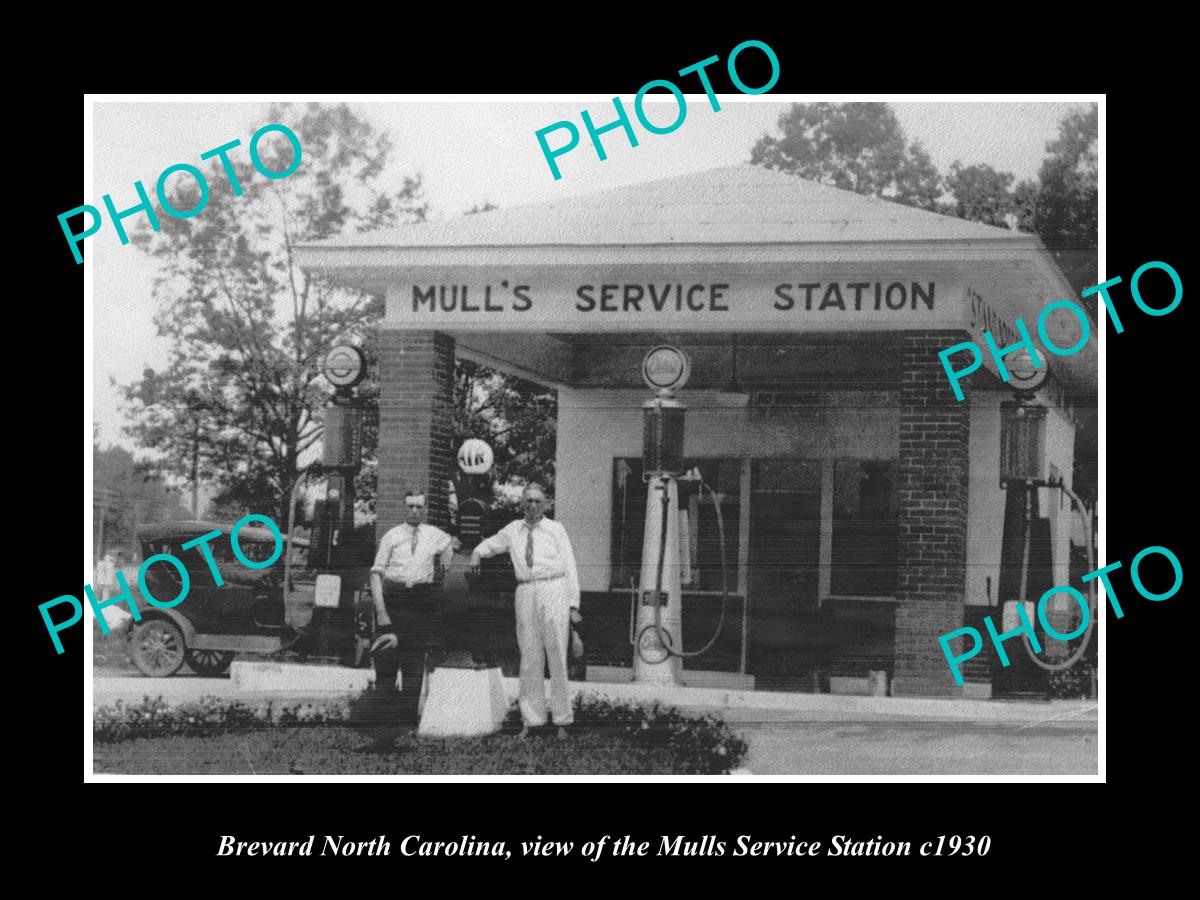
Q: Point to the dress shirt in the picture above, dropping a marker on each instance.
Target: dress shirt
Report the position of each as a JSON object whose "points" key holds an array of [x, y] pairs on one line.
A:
{"points": [[552, 553], [396, 560]]}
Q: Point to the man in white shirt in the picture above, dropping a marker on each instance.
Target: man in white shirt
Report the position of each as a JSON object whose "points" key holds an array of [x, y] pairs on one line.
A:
{"points": [[407, 612], [547, 602]]}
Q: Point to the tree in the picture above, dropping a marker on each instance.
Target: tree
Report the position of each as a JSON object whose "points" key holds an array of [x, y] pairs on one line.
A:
{"points": [[128, 494], [487, 206], [241, 400], [1061, 207], [517, 418], [855, 146], [1067, 214], [981, 194]]}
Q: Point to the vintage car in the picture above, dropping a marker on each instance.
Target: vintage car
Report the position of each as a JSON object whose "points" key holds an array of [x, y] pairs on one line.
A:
{"points": [[212, 624]]}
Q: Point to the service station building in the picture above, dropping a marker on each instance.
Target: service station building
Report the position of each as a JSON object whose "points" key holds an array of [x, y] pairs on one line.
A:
{"points": [[862, 507]]}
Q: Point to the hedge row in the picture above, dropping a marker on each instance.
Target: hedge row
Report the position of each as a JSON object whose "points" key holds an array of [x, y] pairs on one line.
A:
{"points": [[693, 744], [206, 716]]}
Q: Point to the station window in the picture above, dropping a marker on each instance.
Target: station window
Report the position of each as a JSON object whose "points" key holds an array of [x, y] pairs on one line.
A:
{"points": [[786, 517]]}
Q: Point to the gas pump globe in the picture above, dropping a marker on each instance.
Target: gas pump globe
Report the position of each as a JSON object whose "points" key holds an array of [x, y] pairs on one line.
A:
{"points": [[658, 621]]}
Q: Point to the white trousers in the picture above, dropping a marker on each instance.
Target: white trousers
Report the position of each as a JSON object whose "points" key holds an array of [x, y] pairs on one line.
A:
{"points": [[543, 612]]}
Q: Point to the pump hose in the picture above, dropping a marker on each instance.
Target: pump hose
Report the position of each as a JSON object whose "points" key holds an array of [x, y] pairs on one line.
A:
{"points": [[664, 636], [1091, 610]]}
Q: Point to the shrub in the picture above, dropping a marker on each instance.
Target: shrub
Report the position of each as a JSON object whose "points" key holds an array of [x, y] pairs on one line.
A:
{"points": [[1074, 682], [700, 745], [206, 716]]}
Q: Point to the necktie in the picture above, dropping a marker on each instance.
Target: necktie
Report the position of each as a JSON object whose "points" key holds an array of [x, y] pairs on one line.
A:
{"points": [[415, 534], [529, 550]]}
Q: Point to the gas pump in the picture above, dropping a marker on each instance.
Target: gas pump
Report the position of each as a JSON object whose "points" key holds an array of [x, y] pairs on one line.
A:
{"points": [[332, 550], [656, 622], [1023, 471]]}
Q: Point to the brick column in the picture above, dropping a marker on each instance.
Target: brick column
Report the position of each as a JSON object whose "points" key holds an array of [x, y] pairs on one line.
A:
{"points": [[932, 499], [416, 397]]}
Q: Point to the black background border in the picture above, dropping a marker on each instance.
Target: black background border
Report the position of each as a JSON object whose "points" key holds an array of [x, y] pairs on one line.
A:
{"points": [[1148, 400]]}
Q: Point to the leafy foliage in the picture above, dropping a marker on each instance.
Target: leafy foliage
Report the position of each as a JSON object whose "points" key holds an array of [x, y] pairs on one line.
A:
{"points": [[858, 147], [1067, 212], [131, 494], [1073, 683], [701, 745], [243, 391], [981, 194], [206, 716]]}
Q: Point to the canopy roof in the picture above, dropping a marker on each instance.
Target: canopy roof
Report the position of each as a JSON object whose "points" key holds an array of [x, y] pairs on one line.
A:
{"points": [[733, 205], [752, 227]]}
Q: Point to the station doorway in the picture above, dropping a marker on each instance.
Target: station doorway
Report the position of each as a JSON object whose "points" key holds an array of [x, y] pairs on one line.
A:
{"points": [[785, 526]]}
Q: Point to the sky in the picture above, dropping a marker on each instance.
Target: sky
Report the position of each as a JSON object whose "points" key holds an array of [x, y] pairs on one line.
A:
{"points": [[468, 152]]}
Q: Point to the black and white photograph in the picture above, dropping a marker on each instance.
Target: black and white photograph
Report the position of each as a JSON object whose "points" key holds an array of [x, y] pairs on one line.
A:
{"points": [[733, 435]]}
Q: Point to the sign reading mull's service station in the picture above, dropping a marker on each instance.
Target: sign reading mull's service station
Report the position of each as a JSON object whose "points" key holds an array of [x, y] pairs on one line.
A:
{"points": [[603, 303]]}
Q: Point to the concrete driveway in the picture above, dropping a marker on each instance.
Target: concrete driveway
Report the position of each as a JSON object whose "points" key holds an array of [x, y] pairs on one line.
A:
{"points": [[1053, 740]]}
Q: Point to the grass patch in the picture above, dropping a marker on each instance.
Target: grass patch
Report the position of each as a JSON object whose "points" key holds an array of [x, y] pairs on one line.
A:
{"points": [[213, 737]]}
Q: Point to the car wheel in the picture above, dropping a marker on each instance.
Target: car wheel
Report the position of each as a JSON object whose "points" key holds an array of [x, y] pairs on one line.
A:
{"points": [[210, 662], [157, 648]]}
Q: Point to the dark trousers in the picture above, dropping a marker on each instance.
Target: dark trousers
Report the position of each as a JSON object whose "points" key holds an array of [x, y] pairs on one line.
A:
{"points": [[416, 622]]}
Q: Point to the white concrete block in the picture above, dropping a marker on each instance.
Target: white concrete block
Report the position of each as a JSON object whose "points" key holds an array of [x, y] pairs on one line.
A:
{"points": [[610, 674], [275, 677], [977, 691], [839, 684], [733, 681], [464, 703]]}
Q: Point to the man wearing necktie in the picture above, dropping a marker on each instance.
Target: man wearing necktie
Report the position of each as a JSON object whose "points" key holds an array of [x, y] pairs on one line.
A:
{"points": [[407, 612], [547, 602]]}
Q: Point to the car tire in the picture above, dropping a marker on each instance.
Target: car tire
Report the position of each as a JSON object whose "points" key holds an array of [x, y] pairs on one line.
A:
{"points": [[210, 663], [157, 648]]}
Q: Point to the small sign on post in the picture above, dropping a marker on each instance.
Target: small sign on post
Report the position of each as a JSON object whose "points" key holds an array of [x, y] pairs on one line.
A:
{"points": [[328, 591]]}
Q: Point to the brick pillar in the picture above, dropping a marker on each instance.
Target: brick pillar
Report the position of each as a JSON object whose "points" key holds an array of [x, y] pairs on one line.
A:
{"points": [[416, 397], [932, 499]]}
